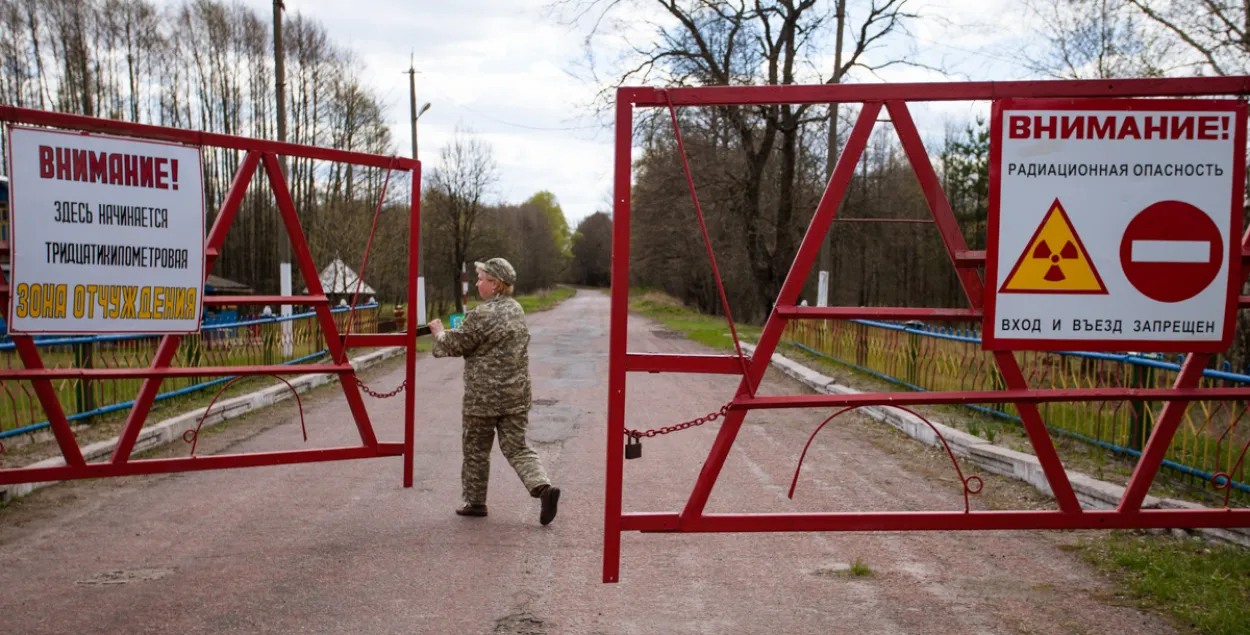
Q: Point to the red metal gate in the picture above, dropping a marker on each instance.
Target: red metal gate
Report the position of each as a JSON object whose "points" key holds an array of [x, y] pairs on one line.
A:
{"points": [[893, 98], [257, 152]]}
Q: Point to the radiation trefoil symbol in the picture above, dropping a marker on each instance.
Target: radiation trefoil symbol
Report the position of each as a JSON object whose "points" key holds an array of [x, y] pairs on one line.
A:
{"points": [[1054, 261]]}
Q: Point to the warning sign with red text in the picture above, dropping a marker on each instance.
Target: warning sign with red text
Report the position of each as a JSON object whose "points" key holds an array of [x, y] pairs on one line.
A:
{"points": [[1114, 225], [107, 234]]}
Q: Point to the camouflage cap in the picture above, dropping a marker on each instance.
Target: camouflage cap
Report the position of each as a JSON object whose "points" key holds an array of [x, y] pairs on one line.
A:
{"points": [[499, 269]]}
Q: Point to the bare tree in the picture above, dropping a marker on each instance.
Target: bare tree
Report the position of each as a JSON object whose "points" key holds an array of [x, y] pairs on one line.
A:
{"points": [[726, 42], [459, 187], [1094, 39], [1214, 34]]}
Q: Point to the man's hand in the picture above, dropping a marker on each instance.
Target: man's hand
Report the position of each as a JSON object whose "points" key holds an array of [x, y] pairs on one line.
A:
{"points": [[436, 327]]}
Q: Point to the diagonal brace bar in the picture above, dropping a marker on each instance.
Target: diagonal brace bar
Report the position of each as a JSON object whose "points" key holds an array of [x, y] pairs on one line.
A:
{"points": [[974, 289]]}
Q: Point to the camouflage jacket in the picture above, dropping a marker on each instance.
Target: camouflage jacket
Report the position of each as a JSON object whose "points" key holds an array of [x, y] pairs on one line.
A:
{"points": [[493, 339]]}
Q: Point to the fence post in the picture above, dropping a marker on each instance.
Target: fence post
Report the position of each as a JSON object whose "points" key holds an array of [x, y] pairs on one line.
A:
{"points": [[83, 358], [267, 330], [1141, 376], [861, 346], [913, 357]]}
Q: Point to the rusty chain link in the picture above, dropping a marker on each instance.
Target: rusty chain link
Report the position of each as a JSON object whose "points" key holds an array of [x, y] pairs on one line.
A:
{"points": [[713, 416], [382, 395]]}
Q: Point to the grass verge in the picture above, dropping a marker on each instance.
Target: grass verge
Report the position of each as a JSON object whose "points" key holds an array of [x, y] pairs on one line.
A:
{"points": [[705, 329], [545, 299], [1206, 587]]}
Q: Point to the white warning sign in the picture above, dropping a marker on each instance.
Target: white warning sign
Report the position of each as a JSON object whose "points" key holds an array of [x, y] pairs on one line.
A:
{"points": [[107, 234], [1114, 224]]}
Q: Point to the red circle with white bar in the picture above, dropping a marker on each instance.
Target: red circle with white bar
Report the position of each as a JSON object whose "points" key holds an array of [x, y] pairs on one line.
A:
{"points": [[1171, 251]]}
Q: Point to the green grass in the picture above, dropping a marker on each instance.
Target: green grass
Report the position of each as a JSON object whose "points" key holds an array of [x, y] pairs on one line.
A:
{"points": [[545, 299], [859, 569], [705, 329], [1205, 586]]}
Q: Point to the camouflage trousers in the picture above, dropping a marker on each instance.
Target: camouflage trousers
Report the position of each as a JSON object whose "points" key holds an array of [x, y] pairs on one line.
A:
{"points": [[479, 436]]}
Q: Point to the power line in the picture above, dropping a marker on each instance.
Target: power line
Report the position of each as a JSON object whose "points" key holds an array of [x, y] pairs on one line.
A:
{"points": [[511, 123]]}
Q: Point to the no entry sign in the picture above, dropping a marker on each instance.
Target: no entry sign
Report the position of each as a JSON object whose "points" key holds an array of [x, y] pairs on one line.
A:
{"points": [[1114, 224], [1172, 251]]}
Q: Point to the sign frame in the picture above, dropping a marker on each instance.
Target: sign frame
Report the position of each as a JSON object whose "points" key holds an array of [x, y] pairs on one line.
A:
{"points": [[1237, 109], [13, 234]]}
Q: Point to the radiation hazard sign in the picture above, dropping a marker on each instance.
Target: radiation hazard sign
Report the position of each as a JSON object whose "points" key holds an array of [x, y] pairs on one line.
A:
{"points": [[1054, 260], [1114, 225]]}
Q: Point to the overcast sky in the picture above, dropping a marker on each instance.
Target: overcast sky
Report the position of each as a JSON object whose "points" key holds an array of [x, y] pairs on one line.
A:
{"points": [[514, 76]]}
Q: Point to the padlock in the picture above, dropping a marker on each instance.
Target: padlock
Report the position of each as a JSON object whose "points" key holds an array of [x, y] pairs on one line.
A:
{"points": [[633, 448]]}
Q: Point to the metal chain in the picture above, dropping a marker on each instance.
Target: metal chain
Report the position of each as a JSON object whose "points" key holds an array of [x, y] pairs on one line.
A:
{"points": [[380, 395], [681, 426]]}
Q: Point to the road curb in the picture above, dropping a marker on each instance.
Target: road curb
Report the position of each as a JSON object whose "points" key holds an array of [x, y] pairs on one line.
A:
{"points": [[172, 429], [1091, 492]]}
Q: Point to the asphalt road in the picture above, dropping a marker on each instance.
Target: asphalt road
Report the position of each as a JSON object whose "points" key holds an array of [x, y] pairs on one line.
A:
{"points": [[343, 548]]}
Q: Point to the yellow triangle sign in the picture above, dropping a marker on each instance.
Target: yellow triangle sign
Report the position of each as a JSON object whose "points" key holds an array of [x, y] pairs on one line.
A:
{"points": [[1054, 261]]}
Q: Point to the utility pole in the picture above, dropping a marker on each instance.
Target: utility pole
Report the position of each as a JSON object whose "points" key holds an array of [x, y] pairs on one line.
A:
{"points": [[831, 158], [412, 93], [284, 244]]}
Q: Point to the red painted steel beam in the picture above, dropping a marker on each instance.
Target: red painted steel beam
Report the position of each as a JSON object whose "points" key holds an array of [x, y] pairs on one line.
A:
{"points": [[617, 338], [918, 221], [650, 521], [32, 374], [970, 259], [876, 313], [665, 363], [193, 464], [228, 300], [196, 138], [1018, 396], [942, 521], [308, 270], [410, 335], [363, 340], [934, 91]]}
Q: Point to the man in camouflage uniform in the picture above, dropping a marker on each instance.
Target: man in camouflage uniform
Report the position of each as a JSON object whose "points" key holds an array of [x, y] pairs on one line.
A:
{"points": [[493, 339]]}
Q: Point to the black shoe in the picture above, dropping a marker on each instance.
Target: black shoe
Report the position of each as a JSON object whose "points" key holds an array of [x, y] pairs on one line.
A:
{"points": [[471, 510], [549, 497]]}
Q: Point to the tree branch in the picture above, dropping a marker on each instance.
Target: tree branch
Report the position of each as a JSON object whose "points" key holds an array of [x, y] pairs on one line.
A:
{"points": [[1205, 52]]}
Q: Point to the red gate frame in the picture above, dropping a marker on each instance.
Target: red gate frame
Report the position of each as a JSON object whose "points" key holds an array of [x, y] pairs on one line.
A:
{"points": [[257, 151], [894, 98]]}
